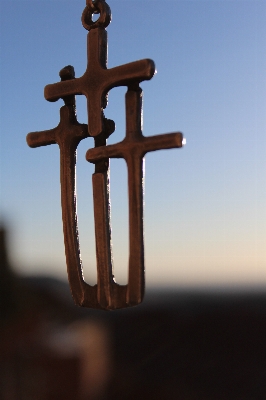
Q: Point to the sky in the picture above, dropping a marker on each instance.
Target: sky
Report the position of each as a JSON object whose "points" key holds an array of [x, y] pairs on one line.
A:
{"points": [[205, 204]]}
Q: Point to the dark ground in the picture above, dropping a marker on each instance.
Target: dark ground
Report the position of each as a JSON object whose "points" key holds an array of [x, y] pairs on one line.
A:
{"points": [[192, 346], [187, 345]]}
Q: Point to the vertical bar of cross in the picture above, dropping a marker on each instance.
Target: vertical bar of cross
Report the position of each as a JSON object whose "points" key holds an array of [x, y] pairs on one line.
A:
{"points": [[78, 285], [135, 164], [102, 226], [102, 238]]}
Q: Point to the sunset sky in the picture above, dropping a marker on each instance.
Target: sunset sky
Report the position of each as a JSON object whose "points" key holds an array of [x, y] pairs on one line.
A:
{"points": [[205, 204]]}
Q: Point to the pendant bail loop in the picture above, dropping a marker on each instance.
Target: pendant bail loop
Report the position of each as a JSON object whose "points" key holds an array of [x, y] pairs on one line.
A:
{"points": [[96, 7]]}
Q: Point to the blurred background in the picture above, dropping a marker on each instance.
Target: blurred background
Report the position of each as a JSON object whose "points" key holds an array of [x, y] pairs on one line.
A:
{"points": [[200, 331]]}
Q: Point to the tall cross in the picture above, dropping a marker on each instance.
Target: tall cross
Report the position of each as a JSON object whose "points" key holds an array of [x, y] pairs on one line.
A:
{"points": [[95, 84]]}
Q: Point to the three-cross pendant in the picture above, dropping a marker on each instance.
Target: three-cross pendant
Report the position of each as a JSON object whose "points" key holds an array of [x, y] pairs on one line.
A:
{"points": [[95, 84]]}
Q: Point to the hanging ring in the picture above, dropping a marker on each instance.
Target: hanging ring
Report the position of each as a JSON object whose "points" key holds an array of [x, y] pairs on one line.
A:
{"points": [[96, 7]]}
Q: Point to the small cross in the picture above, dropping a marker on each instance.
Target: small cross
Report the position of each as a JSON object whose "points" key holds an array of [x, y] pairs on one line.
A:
{"points": [[132, 149], [67, 135], [97, 79]]}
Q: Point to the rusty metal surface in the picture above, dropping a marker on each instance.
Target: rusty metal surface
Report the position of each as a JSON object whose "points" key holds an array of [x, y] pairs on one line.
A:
{"points": [[95, 84]]}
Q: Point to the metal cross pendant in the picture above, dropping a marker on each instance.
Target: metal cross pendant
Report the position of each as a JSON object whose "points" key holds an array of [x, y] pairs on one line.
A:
{"points": [[95, 84]]}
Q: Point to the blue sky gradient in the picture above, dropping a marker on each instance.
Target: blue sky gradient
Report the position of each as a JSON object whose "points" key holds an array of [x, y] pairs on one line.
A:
{"points": [[205, 204]]}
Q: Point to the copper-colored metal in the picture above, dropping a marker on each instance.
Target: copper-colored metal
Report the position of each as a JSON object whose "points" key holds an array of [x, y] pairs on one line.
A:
{"points": [[98, 80], [132, 149], [95, 84], [67, 135]]}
